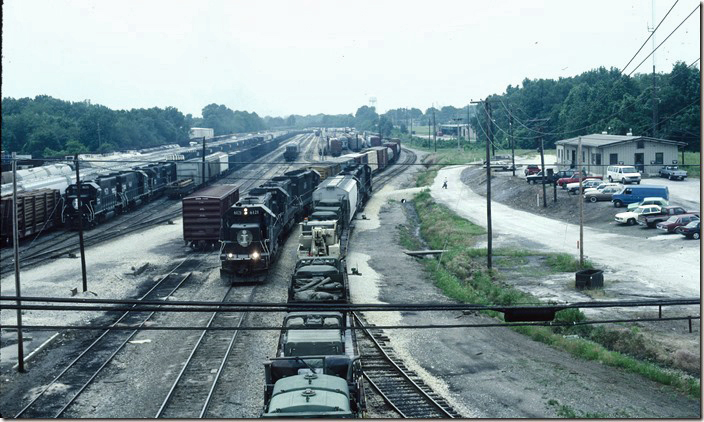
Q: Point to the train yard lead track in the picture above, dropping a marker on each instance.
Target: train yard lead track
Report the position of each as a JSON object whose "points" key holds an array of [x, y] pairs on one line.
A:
{"points": [[63, 390], [398, 168], [192, 391], [402, 389]]}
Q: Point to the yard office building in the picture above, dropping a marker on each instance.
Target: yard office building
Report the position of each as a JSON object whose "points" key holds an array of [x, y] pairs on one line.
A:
{"points": [[599, 151]]}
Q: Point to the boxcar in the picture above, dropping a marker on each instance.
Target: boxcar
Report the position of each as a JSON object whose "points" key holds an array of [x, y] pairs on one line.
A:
{"points": [[203, 212]]}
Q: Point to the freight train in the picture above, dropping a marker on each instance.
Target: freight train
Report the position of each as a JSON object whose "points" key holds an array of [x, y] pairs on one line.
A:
{"points": [[254, 228], [106, 195], [316, 371]]}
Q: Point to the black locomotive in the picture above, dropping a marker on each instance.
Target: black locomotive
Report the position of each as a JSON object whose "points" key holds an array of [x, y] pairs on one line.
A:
{"points": [[115, 193], [254, 227]]}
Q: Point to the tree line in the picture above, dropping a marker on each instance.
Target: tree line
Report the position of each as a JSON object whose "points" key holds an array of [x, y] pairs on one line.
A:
{"points": [[594, 101], [48, 127]]}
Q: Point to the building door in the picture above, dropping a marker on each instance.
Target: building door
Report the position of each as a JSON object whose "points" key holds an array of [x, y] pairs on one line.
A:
{"points": [[639, 161], [574, 153]]}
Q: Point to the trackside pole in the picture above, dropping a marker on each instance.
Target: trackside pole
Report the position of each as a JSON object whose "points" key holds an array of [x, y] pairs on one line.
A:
{"points": [[16, 247]]}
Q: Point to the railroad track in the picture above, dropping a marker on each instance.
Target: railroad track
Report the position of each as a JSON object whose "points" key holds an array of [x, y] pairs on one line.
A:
{"points": [[409, 157], [400, 387], [64, 389], [191, 393]]}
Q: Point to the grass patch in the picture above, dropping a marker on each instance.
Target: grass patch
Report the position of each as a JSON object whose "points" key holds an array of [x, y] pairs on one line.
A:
{"points": [[565, 263], [462, 275], [407, 239]]}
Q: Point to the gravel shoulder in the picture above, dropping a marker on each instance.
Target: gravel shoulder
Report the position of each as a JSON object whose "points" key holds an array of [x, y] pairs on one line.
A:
{"points": [[487, 372]]}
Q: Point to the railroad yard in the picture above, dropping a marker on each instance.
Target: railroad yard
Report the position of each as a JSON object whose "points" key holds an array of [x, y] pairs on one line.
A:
{"points": [[328, 210], [456, 372]]}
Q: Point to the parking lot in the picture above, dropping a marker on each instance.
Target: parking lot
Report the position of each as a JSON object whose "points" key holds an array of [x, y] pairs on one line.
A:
{"points": [[657, 265]]}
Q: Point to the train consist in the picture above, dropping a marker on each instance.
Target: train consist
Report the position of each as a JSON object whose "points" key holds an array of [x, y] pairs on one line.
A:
{"points": [[110, 187], [316, 371], [255, 226]]}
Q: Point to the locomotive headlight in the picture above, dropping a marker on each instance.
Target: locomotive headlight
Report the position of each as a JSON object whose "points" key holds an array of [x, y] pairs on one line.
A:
{"points": [[244, 238], [246, 211], [230, 255], [75, 203], [255, 255]]}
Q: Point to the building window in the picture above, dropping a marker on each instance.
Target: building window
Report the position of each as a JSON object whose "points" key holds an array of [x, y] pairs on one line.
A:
{"points": [[613, 158], [640, 144], [658, 158]]}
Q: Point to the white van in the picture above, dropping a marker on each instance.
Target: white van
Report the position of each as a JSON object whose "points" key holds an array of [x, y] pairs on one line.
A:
{"points": [[623, 174]]}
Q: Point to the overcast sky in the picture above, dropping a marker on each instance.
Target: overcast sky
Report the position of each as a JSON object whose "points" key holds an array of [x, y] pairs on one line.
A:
{"points": [[306, 57]]}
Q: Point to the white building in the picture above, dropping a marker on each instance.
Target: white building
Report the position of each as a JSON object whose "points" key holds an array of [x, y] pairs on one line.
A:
{"points": [[647, 154]]}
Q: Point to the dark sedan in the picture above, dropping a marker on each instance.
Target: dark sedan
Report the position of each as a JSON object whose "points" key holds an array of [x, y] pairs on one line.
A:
{"points": [[676, 221], [690, 231]]}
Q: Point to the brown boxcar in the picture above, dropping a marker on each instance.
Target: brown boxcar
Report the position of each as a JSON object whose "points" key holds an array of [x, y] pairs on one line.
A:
{"points": [[396, 151], [36, 211], [375, 141], [203, 212], [382, 157], [335, 147]]}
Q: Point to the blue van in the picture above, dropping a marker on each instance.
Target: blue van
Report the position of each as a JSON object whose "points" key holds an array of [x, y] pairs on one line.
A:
{"points": [[631, 194]]}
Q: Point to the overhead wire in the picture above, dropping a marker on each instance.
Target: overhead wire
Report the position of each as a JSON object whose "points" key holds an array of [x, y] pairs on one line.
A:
{"points": [[649, 37], [663, 41]]}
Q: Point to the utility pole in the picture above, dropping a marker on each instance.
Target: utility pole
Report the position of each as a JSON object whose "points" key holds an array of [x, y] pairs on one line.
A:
{"points": [[655, 99], [458, 120], [428, 132], [99, 140], [487, 110], [435, 132], [542, 156], [491, 137], [513, 145], [202, 180], [487, 107], [16, 247], [580, 198], [80, 225]]}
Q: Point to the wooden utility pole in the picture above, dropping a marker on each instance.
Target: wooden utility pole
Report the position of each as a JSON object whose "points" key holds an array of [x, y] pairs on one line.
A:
{"points": [[542, 157], [491, 137], [79, 205], [435, 132], [16, 247], [513, 145], [581, 205], [487, 107]]}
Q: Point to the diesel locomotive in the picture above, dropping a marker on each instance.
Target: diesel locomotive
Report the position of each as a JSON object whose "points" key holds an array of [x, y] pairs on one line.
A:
{"points": [[257, 224]]}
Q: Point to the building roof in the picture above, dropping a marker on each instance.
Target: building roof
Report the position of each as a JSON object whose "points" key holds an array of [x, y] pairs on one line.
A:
{"points": [[601, 140]]}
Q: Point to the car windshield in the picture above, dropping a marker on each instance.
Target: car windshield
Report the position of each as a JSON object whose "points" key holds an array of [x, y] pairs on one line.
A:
{"points": [[693, 224], [641, 210], [629, 170], [672, 219]]}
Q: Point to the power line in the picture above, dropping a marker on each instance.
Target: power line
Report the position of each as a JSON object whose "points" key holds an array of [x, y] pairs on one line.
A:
{"points": [[650, 36], [663, 41], [693, 63]]}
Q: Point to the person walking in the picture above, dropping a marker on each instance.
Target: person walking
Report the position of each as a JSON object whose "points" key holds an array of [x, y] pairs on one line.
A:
{"points": [[444, 184]]}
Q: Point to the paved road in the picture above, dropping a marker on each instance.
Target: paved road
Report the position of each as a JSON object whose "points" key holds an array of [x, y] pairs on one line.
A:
{"points": [[661, 267]]}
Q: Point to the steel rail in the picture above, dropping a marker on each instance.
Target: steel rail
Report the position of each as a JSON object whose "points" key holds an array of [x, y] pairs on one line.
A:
{"points": [[97, 340], [442, 410]]}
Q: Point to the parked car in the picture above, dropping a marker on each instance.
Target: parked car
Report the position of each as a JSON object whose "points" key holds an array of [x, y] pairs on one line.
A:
{"points": [[538, 178], [573, 188], [633, 194], [605, 194], [631, 217], [676, 221], [649, 201], [498, 165], [623, 174], [531, 169], [651, 220], [690, 231], [602, 185], [575, 177], [672, 173]]}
